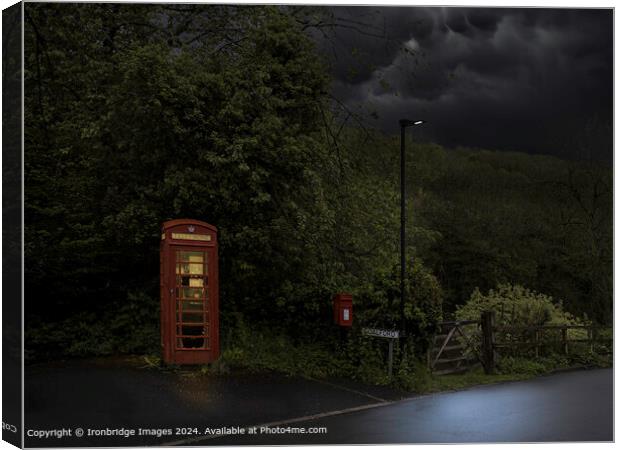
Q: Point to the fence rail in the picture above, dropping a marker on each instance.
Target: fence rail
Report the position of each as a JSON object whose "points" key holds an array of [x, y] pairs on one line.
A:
{"points": [[535, 337], [462, 345]]}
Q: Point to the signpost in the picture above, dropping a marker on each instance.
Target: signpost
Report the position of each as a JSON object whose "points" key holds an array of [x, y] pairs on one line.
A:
{"points": [[388, 334]]}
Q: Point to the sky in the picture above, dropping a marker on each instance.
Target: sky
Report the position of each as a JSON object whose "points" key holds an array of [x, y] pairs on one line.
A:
{"points": [[532, 80]]}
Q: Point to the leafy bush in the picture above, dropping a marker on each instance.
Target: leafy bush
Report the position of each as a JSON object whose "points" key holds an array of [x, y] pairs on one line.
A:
{"points": [[262, 348], [351, 356], [515, 305], [132, 327], [591, 359]]}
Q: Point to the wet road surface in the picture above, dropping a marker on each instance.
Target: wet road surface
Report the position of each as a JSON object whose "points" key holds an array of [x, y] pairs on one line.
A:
{"points": [[570, 406], [103, 394]]}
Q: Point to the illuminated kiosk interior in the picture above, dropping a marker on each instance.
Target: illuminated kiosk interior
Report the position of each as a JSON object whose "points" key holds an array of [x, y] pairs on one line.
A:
{"points": [[189, 292]]}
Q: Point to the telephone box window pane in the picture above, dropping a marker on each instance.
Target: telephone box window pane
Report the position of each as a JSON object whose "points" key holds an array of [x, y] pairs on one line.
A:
{"points": [[196, 282], [191, 330], [192, 257], [192, 317], [195, 269], [192, 306], [187, 308], [190, 269], [190, 281], [191, 263], [192, 293]]}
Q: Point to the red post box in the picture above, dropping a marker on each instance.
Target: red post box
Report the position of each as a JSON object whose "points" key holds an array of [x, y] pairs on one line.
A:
{"points": [[189, 292], [343, 309]]}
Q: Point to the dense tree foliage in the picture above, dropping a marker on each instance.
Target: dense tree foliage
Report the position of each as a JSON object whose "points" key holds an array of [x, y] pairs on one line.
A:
{"points": [[478, 218], [531, 220], [136, 114], [127, 131]]}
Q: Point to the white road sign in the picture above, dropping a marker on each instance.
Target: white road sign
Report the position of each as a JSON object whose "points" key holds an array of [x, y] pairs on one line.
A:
{"points": [[390, 334]]}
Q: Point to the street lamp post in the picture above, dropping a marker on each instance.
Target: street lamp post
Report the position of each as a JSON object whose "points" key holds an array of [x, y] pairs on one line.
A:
{"points": [[404, 123]]}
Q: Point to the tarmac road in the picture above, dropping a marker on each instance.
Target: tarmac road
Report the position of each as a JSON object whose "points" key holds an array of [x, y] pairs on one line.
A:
{"points": [[570, 406], [118, 394], [99, 395]]}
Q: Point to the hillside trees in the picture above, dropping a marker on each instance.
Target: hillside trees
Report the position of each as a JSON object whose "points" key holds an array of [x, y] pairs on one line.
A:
{"points": [[523, 219]]}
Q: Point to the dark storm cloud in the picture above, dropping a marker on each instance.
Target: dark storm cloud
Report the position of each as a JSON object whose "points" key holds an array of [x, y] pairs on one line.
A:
{"points": [[500, 78], [483, 20]]}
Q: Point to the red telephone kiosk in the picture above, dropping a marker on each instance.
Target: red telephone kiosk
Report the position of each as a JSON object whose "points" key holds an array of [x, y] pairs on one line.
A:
{"points": [[189, 292]]}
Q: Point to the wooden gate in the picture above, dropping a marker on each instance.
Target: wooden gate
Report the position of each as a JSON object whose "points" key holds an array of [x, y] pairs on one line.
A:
{"points": [[455, 349]]}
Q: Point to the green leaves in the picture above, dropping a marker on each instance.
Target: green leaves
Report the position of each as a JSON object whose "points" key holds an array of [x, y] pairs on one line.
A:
{"points": [[516, 306]]}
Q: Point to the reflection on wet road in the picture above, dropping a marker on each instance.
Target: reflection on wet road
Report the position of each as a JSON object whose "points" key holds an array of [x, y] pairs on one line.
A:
{"points": [[571, 406], [103, 394]]}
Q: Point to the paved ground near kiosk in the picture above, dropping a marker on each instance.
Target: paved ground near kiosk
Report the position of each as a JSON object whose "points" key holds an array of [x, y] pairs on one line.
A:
{"points": [[100, 394], [119, 393]]}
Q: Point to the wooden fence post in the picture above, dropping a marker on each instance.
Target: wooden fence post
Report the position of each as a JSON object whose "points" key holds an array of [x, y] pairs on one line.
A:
{"points": [[428, 356], [487, 322], [565, 339]]}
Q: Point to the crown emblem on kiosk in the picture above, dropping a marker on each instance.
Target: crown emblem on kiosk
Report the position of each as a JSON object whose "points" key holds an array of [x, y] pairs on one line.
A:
{"points": [[191, 228]]}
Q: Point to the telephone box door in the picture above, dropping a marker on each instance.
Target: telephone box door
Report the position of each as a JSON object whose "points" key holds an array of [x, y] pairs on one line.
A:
{"points": [[191, 298]]}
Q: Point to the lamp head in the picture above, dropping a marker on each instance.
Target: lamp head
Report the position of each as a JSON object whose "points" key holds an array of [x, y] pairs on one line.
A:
{"points": [[408, 123]]}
